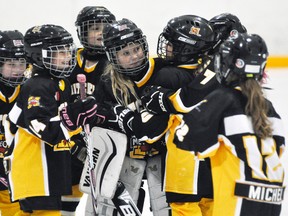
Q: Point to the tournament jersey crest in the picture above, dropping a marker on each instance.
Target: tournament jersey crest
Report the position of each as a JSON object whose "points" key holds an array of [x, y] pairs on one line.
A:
{"points": [[33, 101]]}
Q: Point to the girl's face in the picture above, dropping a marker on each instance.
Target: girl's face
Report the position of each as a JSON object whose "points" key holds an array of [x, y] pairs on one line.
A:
{"points": [[169, 49], [95, 36], [61, 58], [13, 68], [131, 56]]}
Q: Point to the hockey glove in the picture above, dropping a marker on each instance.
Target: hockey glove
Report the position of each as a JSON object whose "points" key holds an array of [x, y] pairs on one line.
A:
{"points": [[78, 151], [156, 99], [79, 113], [116, 117]]}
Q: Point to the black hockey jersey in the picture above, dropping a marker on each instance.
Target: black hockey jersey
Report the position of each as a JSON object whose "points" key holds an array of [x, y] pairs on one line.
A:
{"points": [[184, 99], [247, 171], [92, 73], [40, 161], [8, 97]]}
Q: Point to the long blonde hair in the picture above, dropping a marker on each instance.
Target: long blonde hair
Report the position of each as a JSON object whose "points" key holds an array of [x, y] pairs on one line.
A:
{"points": [[256, 107], [122, 86]]}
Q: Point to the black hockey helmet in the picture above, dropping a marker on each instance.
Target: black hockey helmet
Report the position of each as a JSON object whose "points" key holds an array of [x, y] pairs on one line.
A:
{"points": [[242, 56], [12, 53], [119, 35], [190, 36], [43, 42], [90, 16], [224, 25]]}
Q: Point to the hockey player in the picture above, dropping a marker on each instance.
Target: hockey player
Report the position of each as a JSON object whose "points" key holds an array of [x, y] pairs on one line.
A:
{"points": [[240, 131], [127, 50], [12, 76], [176, 74], [91, 61], [39, 166], [183, 100]]}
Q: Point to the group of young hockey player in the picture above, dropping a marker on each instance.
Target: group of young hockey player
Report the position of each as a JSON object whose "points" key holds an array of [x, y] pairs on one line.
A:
{"points": [[103, 118]]}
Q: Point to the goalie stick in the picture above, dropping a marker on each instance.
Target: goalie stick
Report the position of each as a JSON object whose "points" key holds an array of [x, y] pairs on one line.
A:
{"points": [[81, 78], [119, 195]]}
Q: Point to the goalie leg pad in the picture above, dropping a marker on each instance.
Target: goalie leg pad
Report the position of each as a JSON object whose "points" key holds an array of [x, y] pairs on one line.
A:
{"points": [[89, 211], [131, 176], [107, 150], [157, 196]]}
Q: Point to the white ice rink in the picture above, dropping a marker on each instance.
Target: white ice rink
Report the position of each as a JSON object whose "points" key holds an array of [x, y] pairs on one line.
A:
{"points": [[278, 81]]}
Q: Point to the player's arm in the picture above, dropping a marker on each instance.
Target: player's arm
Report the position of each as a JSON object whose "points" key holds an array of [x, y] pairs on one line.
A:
{"points": [[41, 115], [158, 100]]}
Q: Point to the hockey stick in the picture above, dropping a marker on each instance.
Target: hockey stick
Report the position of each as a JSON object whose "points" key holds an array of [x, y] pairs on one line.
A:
{"points": [[81, 78]]}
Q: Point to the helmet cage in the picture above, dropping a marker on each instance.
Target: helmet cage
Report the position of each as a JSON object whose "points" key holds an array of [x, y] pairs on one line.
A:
{"points": [[88, 17], [83, 31], [16, 75], [50, 59], [162, 50], [190, 36], [112, 55], [184, 49]]}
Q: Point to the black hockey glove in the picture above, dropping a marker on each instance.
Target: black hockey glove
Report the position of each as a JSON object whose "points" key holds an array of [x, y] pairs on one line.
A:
{"points": [[78, 151], [79, 113], [117, 117], [155, 99]]}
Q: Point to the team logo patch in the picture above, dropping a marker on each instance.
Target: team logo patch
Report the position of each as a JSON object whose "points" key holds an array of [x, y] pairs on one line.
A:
{"points": [[36, 29], [195, 31], [33, 101], [18, 43], [122, 27], [63, 146], [239, 63], [234, 33]]}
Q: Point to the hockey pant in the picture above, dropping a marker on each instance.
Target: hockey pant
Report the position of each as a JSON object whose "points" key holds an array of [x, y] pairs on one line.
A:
{"points": [[6, 207], [202, 208]]}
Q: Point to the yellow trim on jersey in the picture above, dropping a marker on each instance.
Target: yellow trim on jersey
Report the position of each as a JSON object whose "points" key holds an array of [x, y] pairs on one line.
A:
{"points": [[23, 168], [181, 169], [148, 74], [12, 97], [189, 66], [225, 162], [80, 62], [74, 132]]}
